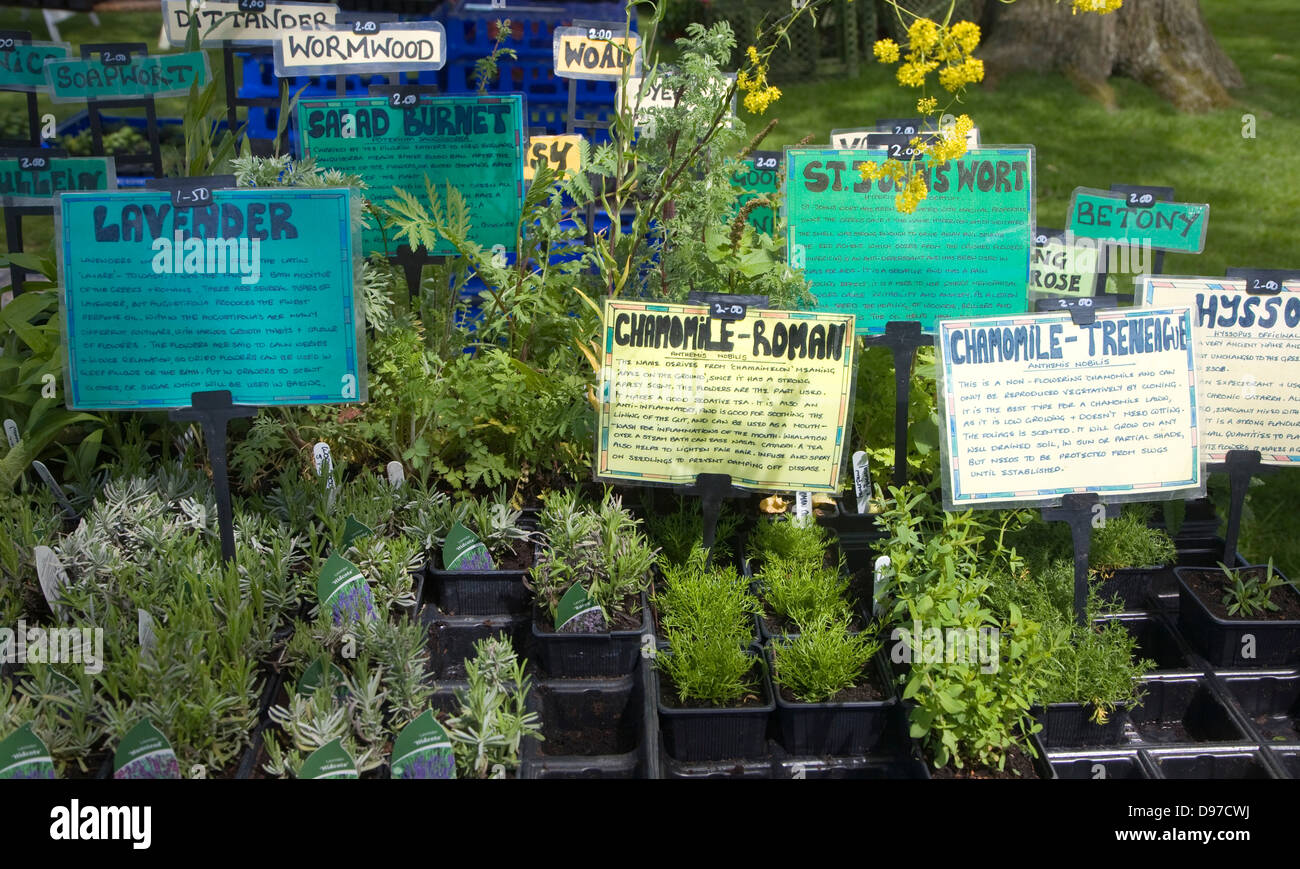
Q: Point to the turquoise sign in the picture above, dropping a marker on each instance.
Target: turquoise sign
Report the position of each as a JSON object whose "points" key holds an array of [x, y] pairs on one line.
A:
{"points": [[37, 180], [759, 175], [255, 293], [22, 67], [1138, 220], [122, 76], [964, 251], [475, 144]]}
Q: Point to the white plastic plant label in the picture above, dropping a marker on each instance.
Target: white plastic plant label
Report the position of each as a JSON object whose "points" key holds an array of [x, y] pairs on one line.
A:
{"points": [[52, 577], [11, 432], [803, 508], [396, 474], [882, 574], [324, 462], [862, 480], [144, 629]]}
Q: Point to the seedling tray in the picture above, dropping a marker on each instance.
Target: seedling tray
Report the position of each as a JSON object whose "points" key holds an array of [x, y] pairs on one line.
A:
{"points": [[1236, 643], [1138, 587], [1211, 763], [1158, 641], [1101, 765], [835, 729], [1072, 725], [1181, 710], [583, 656], [452, 638], [1270, 701], [709, 734]]}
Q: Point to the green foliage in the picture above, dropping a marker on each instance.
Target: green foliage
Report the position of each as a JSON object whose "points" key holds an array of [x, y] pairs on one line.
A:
{"points": [[493, 721], [803, 592], [706, 617], [678, 533], [782, 538], [601, 547], [1247, 593], [823, 660], [873, 415]]}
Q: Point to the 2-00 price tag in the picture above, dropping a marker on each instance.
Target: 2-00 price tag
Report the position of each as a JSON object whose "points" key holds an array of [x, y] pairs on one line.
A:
{"points": [[252, 5], [727, 311], [114, 58], [34, 164], [367, 26], [397, 100]]}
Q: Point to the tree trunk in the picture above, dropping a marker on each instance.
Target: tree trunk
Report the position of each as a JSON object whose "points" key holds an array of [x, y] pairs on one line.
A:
{"points": [[1165, 44]]}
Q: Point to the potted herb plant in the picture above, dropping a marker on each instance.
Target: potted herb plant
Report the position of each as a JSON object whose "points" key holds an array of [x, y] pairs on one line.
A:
{"points": [[596, 560], [832, 698], [1240, 617], [714, 697]]}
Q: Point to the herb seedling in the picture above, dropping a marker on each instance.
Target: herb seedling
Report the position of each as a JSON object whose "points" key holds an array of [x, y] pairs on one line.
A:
{"points": [[1247, 594]]}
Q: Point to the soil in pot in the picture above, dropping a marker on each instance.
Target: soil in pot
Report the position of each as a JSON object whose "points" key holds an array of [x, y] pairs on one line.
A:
{"points": [[1019, 766], [1208, 586], [865, 693]]}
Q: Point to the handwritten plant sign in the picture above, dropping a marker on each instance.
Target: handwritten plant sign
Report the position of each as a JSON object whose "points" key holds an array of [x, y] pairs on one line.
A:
{"points": [[560, 153], [761, 395], [1138, 219], [595, 53], [1247, 362], [1063, 265], [119, 76], [965, 251], [245, 22], [22, 64], [255, 292], [362, 46], [759, 176], [1035, 407], [644, 96], [36, 180], [474, 143]]}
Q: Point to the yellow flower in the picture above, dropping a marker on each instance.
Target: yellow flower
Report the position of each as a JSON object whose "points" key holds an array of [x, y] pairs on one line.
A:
{"points": [[927, 105], [757, 101], [911, 196], [922, 35], [1101, 7], [957, 76], [913, 74], [966, 34], [869, 171], [752, 52], [886, 50]]}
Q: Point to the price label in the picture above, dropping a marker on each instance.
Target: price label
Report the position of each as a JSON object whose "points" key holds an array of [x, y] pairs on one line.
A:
{"points": [[8, 44], [1079, 303], [765, 161], [366, 26], [192, 192], [727, 311], [599, 33], [901, 126], [252, 5], [188, 198], [34, 164], [1140, 200], [115, 58], [1264, 282], [397, 100]]}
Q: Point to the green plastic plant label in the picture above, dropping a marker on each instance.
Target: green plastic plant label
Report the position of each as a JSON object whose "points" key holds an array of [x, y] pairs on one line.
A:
{"points": [[145, 753], [38, 180], [758, 176], [578, 614], [329, 761], [224, 21], [446, 139], [963, 252], [1247, 362], [1138, 220], [310, 680], [1063, 264], [765, 398], [344, 592], [140, 75], [363, 47], [24, 755], [462, 550], [22, 65], [256, 293], [423, 750], [1037, 406], [354, 530]]}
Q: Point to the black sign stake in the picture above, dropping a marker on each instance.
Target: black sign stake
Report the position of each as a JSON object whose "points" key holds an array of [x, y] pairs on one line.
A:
{"points": [[902, 338], [213, 410], [711, 489], [1240, 466], [1077, 510]]}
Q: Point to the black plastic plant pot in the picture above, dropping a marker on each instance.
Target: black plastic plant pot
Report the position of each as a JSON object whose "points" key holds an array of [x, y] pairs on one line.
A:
{"points": [[734, 768], [452, 638], [1236, 643], [583, 656], [1211, 763], [1271, 702], [1134, 586], [1156, 641], [1100, 765], [1074, 725], [479, 592], [834, 729], [1180, 710], [711, 734]]}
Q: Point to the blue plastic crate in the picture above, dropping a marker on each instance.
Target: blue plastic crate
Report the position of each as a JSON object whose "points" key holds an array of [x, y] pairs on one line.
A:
{"points": [[471, 24]]}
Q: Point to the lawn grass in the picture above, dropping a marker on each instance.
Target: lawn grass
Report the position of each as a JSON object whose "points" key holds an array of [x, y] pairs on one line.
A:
{"points": [[1252, 185]]}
